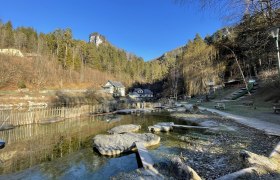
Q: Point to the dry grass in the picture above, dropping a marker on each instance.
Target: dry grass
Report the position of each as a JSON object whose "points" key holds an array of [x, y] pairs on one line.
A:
{"points": [[46, 73], [268, 75], [266, 95]]}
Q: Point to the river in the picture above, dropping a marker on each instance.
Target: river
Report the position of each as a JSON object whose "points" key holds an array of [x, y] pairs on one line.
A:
{"points": [[64, 150]]}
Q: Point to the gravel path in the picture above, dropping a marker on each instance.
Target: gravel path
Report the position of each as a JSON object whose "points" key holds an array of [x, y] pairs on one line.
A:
{"points": [[268, 127]]}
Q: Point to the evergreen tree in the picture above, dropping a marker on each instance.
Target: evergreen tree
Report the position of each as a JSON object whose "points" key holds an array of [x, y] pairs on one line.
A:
{"points": [[8, 35]]}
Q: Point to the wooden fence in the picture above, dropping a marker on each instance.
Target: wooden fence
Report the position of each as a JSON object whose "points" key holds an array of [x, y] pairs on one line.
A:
{"points": [[41, 115], [17, 118]]}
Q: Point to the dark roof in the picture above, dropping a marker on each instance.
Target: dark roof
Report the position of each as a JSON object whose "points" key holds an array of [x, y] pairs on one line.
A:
{"points": [[147, 91], [134, 93], [137, 89], [116, 84]]}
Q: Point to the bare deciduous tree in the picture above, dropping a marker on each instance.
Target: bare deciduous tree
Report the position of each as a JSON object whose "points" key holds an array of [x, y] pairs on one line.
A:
{"points": [[233, 10]]}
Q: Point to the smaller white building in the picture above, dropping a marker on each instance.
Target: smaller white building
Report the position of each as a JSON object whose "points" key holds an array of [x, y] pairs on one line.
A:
{"points": [[117, 89]]}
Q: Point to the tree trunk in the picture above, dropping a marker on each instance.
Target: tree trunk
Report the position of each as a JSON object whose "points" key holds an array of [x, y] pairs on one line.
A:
{"points": [[239, 67], [65, 56], [82, 70]]}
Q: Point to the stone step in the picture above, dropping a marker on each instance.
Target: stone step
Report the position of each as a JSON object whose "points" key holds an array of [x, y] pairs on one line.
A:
{"points": [[144, 156]]}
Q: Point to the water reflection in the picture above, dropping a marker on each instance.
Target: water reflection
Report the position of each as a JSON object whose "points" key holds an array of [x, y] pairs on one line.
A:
{"points": [[82, 165], [31, 145]]}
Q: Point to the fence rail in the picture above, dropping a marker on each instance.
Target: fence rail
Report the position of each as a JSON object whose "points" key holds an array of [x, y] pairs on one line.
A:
{"points": [[17, 118], [42, 115]]}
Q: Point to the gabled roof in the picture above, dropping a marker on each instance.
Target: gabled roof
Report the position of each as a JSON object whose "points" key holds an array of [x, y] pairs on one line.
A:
{"points": [[116, 84], [137, 89], [145, 91]]}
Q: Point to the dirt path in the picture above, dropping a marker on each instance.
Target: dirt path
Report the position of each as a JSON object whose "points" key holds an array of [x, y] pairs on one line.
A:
{"points": [[268, 127]]}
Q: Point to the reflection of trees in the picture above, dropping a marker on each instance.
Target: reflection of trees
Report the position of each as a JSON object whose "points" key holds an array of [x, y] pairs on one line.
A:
{"points": [[62, 166], [33, 144], [30, 145]]}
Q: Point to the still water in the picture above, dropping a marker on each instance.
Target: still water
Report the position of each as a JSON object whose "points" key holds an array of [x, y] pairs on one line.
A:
{"points": [[64, 150]]}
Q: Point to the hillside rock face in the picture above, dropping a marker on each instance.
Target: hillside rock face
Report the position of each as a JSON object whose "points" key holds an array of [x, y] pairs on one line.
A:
{"points": [[118, 143], [11, 52], [96, 38]]}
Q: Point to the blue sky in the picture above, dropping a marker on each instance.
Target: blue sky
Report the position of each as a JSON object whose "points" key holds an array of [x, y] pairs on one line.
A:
{"points": [[147, 28]]}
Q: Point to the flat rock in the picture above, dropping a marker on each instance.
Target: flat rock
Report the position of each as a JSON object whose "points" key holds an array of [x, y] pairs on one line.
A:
{"points": [[193, 118], [163, 127], [118, 143], [180, 109], [124, 129], [112, 118], [171, 110], [131, 111]]}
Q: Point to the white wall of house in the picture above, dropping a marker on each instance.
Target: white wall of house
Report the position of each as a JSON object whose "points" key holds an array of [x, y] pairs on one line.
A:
{"points": [[116, 91], [122, 91], [109, 88]]}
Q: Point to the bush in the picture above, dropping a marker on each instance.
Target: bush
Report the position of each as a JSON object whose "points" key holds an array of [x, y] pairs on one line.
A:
{"points": [[21, 85], [91, 96]]}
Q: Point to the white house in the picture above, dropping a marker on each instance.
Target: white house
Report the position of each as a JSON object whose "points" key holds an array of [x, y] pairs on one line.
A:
{"points": [[115, 88]]}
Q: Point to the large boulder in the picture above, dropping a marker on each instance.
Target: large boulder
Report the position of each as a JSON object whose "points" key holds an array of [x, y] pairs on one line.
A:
{"points": [[119, 143], [125, 128], [182, 170]]}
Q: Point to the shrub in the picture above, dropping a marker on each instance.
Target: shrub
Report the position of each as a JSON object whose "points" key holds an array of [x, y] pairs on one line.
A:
{"points": [[21, 85]]}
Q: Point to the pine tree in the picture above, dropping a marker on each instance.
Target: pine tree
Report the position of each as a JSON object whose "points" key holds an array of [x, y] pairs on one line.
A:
{"points": [[8, 35]]}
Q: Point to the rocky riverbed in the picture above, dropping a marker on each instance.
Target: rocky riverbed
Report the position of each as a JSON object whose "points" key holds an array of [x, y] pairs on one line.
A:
{"points": [[212, 153]]}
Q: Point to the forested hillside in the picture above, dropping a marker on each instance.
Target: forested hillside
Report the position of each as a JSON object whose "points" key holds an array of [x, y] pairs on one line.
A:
{"points": [[215, 58], [76, 58]]}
